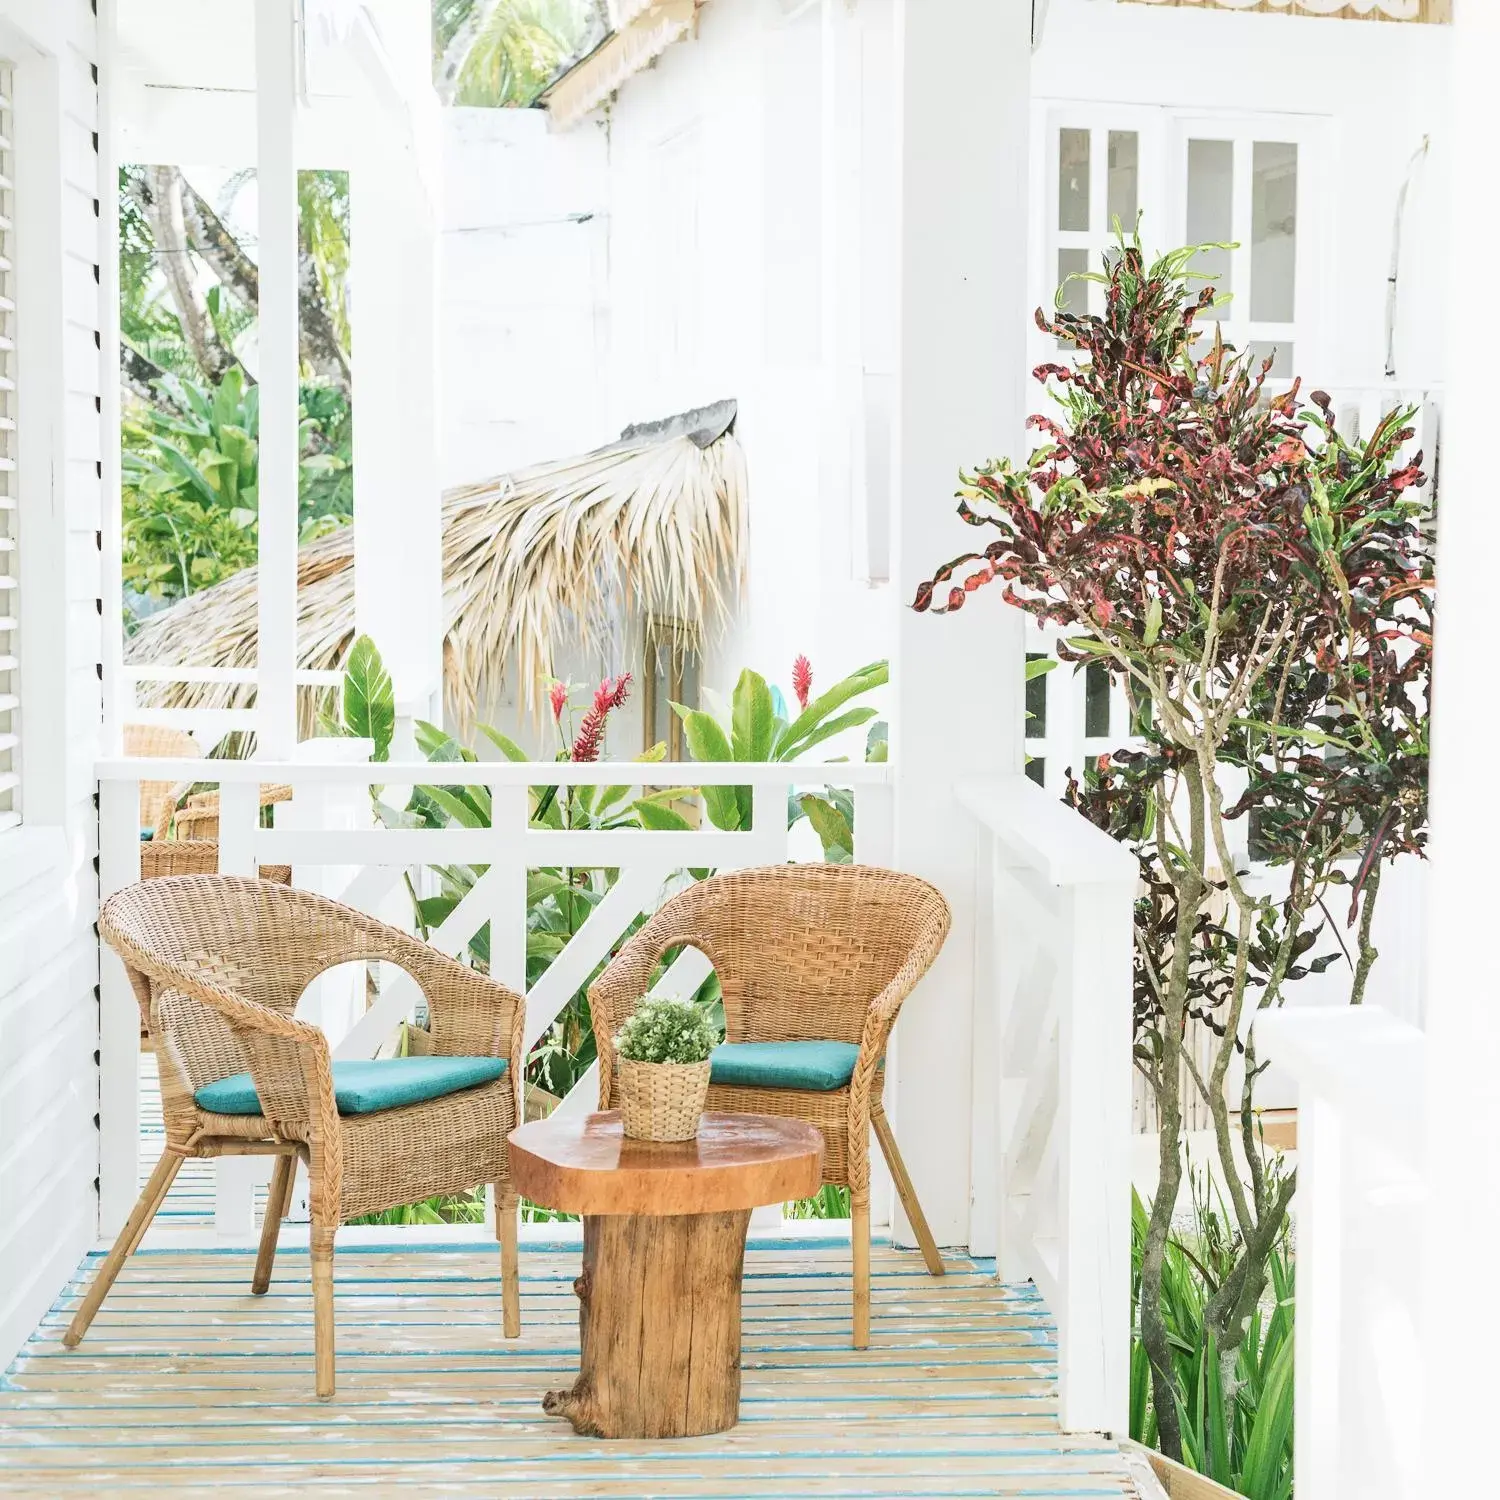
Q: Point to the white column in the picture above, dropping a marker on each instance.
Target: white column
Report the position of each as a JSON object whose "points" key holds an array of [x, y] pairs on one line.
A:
{"points": [[398, 566], [957, 682], [118, 697], [276, 43], [1463, 993]]}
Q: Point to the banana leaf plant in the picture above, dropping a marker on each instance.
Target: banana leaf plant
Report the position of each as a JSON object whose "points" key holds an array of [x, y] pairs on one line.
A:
{"points": [[760, 728]]}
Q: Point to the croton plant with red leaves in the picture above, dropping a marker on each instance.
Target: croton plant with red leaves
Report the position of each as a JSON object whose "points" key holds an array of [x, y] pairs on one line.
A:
{"points": [[1262, 586]]}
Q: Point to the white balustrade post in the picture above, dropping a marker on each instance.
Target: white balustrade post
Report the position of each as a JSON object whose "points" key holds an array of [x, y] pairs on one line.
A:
{"points": [[1320, 1294], [768, 807], [957, 684], [510, 814], [874, 815], [985, 1130], [398, 568], [119, 1017], [276, 48], [1095, 1031], [334, 1002], [235, 1177], [1463, 996]]}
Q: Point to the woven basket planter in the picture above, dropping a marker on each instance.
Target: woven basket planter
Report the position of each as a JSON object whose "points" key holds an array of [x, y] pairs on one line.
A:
{"points": [[662, 1101]]}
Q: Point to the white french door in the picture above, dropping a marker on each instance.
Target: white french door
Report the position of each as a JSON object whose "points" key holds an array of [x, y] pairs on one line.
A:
{"points": [[1252, 181]]}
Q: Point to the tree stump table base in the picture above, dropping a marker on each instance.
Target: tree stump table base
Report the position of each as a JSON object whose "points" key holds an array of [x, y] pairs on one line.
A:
{"points": [[659, 1327], [663, 1258]]}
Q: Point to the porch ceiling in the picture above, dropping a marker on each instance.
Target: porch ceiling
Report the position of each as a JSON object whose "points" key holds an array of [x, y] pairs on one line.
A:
{"points": [[188, 1382]]}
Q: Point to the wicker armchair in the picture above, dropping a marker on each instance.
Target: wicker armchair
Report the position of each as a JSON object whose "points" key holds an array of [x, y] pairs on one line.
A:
{"points": [[157, 740], [195, 850], [804, 953], [218, 964]]}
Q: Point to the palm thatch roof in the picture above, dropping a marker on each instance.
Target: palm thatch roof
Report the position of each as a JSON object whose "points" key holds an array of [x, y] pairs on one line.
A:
{"points": [[548, 557]]}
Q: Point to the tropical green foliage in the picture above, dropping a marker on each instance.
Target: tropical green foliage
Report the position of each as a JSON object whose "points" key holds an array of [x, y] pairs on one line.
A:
{"points": [[189, 480], [369, 698], [452, 1208], [829, 1202], [759, 727], [505, 52], [1241, 1440], [666, 1029], [558, 900], [190, 407]]}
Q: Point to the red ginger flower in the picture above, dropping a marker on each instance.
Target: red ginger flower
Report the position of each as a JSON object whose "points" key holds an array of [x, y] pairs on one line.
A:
{"points": [[557, 695], [802, 680], [610, 694]]}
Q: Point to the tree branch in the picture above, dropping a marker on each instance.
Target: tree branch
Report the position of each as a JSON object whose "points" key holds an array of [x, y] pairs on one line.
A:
{"points": [[169, 230]]}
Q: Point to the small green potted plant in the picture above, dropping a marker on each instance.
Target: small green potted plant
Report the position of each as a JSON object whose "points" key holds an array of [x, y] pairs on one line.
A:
{"points": [[663, 1052]]}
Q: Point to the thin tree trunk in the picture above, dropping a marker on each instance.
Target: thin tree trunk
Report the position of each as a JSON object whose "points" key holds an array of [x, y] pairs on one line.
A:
{"points": [[219, 249], [1191, 892], [318, 336], [1368, 953], [138, 373], [174, 256]]}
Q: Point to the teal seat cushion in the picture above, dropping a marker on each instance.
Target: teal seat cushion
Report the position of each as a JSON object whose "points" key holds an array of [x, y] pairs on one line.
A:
{"points": [[784, 1065], [366, 1088]]}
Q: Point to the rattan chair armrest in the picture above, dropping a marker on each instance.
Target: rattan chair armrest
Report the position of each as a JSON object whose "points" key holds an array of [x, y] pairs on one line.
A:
{"points": [[169, 808], [264, 1033], [613, 995], [471, 1014], [880, 1019]]}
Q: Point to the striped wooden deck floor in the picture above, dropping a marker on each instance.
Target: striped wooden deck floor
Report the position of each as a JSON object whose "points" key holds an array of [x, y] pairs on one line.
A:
{"points": [[187, 1383]]}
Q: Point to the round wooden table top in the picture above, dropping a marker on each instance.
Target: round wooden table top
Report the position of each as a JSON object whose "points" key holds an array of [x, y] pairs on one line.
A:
{"points": [[587, 1165]]}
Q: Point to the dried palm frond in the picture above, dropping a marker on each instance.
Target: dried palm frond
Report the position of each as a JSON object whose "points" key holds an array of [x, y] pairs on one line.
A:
{"points": [[533, 562]]}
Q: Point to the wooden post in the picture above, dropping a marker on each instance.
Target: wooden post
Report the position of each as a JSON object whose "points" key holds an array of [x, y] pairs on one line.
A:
{"points": [[659, 1324], [957, 683], [276, 45]]}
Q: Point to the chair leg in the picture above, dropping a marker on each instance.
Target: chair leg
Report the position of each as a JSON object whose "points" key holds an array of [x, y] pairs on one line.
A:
{"points": [[859, 1235], [130, 1236], [322, 1286], [276, 1201], [507, 1213], [914, 1214]]}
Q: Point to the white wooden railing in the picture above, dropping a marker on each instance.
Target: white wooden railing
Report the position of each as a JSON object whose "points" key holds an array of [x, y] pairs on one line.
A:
{"points": [[1360, 1209], [1054, 915], [328, 836]]}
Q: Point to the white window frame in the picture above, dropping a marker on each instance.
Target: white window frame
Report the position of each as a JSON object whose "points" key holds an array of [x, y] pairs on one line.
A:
{"points": [[1163, 133], [44, 720], [10, 596], [1309, 134], [1162, 136]]}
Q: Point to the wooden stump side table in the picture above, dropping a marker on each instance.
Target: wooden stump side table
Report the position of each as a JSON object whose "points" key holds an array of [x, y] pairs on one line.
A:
{"points": [[663, 1255]]}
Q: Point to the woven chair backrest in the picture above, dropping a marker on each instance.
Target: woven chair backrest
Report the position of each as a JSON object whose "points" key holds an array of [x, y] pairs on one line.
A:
{"points": [[802, 950], [260, 941], [157, 740]]}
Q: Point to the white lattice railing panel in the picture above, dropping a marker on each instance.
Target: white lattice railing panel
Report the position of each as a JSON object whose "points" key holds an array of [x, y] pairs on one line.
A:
{"points": [[1054, 909], [327, 834], [1360, 1210]]}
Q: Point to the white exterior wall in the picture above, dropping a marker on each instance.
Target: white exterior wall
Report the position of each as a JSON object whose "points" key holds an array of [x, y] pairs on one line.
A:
{"points": [[721, 274], [741, 243], [1376, 90], [49, 963], [524, 318]]}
